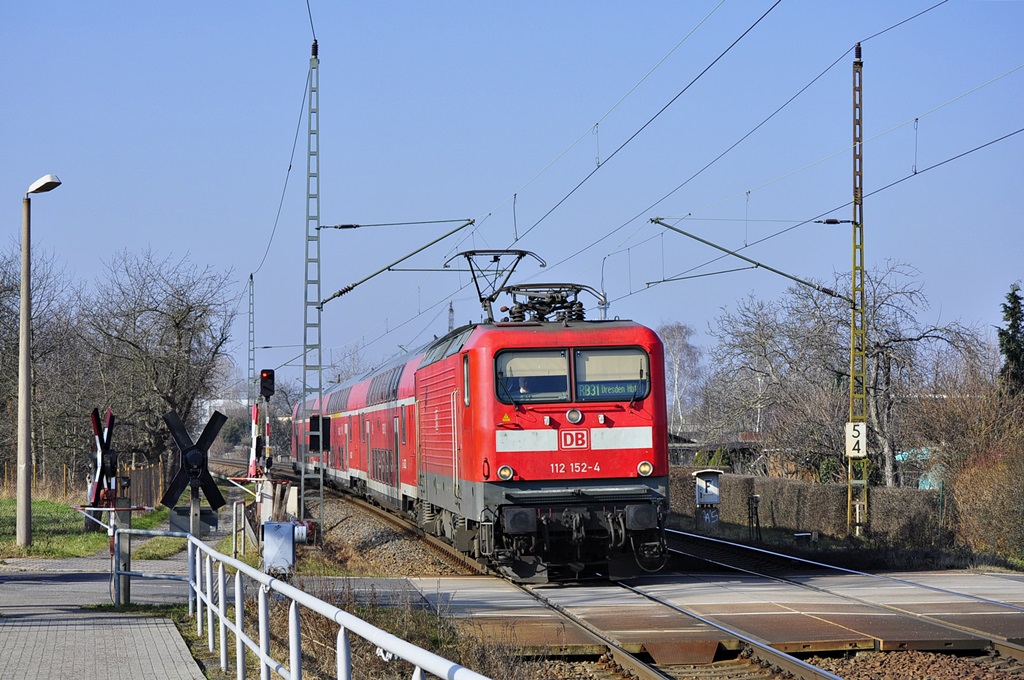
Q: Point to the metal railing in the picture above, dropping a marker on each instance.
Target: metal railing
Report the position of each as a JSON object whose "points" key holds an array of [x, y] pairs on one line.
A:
{"points": [[207, 588]]}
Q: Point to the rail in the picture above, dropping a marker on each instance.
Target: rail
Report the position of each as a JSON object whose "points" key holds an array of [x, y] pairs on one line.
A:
{"points": [[1004, 646], [209, 591]]}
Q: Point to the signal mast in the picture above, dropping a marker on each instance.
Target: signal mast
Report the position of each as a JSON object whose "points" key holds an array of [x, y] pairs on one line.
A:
{"points": [[260, 459]]}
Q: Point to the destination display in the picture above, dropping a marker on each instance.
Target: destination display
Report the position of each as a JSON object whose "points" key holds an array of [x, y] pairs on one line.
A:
{"points": [[611, 389]]}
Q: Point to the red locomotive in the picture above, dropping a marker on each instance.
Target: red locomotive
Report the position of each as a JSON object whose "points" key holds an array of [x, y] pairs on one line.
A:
{"points": [[538, 446]]}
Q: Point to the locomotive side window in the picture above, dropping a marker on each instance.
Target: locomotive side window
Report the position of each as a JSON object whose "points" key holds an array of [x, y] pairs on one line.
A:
{"points": [[532, 376], [621, 374]]}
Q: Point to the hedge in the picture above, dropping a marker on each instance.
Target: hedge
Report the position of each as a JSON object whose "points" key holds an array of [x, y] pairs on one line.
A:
{"points": [[897, 517]]}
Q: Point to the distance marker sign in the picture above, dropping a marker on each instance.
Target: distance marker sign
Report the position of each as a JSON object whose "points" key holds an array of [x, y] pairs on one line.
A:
{"points": [[856, 440]]}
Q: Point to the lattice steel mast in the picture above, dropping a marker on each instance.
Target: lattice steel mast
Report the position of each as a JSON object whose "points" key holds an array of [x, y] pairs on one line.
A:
{"points": [[250, 391], [857, 471], [311, 491]]}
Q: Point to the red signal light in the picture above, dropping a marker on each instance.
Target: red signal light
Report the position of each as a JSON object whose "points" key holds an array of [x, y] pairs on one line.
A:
{"points": [[267, 382]]}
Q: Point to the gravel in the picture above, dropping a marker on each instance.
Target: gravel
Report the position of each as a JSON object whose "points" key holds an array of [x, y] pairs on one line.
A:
{"points": [[917, 665], [365, 544]]}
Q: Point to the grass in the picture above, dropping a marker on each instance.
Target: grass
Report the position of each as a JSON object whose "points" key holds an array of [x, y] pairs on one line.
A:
{"points": [[159, 548], [58, 531]]}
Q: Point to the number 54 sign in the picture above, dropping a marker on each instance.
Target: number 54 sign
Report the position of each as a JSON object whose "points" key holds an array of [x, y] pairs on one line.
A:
{"points": [[856, 440]]}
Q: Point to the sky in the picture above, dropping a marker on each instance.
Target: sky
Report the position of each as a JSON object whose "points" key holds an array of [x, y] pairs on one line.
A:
{"points": [[560, 128]]}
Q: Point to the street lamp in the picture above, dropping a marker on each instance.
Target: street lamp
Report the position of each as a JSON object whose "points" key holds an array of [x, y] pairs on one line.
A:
{"points": [[24, 510]]}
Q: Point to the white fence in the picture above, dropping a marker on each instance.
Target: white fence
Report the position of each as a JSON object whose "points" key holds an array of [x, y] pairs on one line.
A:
{"points": [[207, 581]]}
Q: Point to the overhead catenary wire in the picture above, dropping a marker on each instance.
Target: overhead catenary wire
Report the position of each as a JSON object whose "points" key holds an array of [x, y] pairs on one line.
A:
{"points": [[651, 119], [716, 159], [287, 176], [646, 210], [473, 232], [280, 202], [890, 185], [349, 287], [632, 137], [309, 11], [514, 196], [392, 224], [684, 274], [845, 149]]}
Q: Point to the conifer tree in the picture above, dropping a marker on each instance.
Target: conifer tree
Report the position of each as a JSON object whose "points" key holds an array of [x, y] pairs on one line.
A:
{"points": [[1011, 342]]}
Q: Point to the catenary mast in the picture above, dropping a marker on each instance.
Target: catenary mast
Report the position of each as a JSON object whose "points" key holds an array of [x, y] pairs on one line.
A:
{"points": [[311, 485], [856, 449]]}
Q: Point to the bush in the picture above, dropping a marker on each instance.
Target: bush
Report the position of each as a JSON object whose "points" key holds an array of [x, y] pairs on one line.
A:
{"points": [[990, 509]]}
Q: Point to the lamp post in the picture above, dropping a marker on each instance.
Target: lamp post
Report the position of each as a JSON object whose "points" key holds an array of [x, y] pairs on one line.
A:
{"points": [[24, 510]]}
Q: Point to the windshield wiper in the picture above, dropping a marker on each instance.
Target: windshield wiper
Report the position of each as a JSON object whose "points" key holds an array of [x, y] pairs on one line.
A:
{"points": [[508, 393], [637, 390]]}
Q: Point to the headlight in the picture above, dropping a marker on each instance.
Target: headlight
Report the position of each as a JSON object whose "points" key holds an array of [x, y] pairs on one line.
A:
{"points": [[644, 468], [574, 416], [505, 473]]}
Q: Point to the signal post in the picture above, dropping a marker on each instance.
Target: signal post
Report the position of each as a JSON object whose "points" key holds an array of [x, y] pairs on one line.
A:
{"points": [[260, 452]]}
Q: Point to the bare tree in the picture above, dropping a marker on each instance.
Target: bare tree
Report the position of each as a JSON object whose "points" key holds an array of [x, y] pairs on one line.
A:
{"points": [[59, 427], [785, 366], [159, 330], [778, 368], [958, 410], [973, 430], [287, 395], [682, 371], [10, 300], [351, 364], [898, 346]]}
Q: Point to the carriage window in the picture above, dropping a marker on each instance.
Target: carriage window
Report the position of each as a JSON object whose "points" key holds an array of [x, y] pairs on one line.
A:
{"points": [[532, 376], [621, 374]]}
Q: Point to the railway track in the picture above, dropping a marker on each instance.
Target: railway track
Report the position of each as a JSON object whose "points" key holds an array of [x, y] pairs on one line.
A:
{"points": [[1003, 653], [612, 655], [732, 556], [750, 660]]}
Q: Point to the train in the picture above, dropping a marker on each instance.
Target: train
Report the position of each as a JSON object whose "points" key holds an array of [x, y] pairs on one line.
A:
{"points": [[536, 445]]}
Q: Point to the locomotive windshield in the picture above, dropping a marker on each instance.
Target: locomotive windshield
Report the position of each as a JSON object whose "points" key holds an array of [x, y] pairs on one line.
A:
{"points": [[620, 374], [533, 375], [606, 374]]}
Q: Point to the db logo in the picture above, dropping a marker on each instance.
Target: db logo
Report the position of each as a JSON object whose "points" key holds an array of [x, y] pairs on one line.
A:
{"points": [[574, 439]]}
